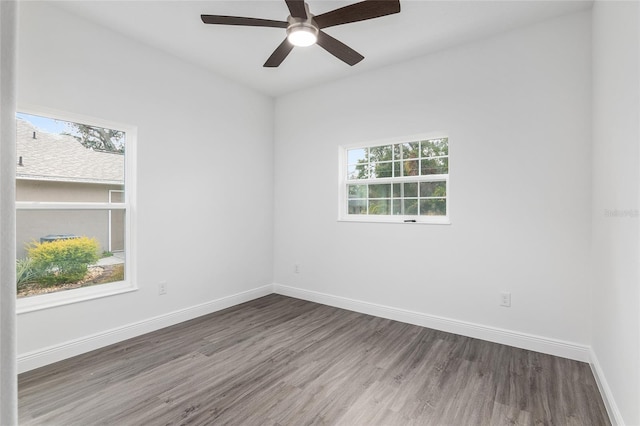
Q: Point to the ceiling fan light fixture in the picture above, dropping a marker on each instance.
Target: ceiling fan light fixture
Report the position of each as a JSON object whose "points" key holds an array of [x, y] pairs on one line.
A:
{"points": [[302, 34]]}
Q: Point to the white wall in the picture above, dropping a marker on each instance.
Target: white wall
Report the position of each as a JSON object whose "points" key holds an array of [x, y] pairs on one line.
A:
{"points": [[205, 177], [516, 108], [616, 186]]}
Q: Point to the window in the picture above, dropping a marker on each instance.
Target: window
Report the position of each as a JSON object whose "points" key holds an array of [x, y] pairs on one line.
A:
{"points": [[402, 181], [74, 190]]}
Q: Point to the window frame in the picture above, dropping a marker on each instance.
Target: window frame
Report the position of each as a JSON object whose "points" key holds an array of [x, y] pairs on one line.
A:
{"points": [[343, 182], [66, 297]]}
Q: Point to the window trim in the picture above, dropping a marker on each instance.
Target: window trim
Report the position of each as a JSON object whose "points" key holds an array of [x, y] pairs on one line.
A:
{"points": [[343, 181], [61, 298]]}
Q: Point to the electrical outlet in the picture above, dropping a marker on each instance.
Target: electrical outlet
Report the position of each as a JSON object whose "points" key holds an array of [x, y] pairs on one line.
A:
{"points": [[505, 300], [162, 288], [296, 268]]}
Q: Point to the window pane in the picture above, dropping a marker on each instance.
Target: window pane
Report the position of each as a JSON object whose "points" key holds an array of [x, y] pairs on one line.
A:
{"points": [[356, 155], [435, 147], [358, 171], [433, 207], [411, 206], [116, 230], [380, 207], [61, 161], [116, 196], [357, 191], [380, 191], [435, 166], [411, 189], [410, 150], [382, 170], [433, 189], [357, 207], [64, 249], [410, 168], [380, 153]]}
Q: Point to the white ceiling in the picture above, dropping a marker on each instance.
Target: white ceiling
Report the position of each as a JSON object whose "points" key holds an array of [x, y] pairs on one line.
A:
{"points": [[423, 26]]}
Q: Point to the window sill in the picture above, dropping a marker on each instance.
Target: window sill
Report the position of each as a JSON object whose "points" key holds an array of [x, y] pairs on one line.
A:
{"points": [[67, 297], [397, 220]]}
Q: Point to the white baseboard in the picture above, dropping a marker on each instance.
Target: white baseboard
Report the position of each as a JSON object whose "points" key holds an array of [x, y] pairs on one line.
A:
{"points": [[610, 404], [42, 357], [492, 334]]}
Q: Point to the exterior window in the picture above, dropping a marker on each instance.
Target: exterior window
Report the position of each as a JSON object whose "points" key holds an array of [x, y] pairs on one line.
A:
{"points": [[403, 181], [73, 201]]}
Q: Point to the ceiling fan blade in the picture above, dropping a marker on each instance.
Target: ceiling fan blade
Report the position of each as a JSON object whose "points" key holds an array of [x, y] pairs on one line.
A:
{"points": [[297, 9], [338, 49], [238, 20], [364, 10], [279, 54]]}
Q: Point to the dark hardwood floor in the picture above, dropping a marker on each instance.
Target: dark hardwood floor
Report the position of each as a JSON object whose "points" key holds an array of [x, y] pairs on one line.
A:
{"points": [[283, 361]]}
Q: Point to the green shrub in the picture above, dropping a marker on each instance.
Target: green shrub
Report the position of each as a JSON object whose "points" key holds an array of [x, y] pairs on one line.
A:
{"points": [[25, 272], [65, 261]]}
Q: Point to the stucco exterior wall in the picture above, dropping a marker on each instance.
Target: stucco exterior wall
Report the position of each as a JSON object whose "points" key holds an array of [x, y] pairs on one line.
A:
{"points": [[31, 225]]}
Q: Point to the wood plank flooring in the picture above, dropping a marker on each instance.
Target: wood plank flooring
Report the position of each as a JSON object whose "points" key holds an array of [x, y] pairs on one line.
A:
{"points": [[283, 361]]}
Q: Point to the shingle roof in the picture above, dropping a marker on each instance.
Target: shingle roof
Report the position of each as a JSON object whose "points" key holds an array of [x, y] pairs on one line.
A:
{"points": [[62, 158]]}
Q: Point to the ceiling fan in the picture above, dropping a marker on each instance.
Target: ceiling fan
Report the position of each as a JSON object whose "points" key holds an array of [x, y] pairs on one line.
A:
{"points": [[305, 29]]}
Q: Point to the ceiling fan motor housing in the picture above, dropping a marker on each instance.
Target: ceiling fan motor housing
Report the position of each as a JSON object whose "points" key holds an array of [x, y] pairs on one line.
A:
{"points": [[302, 32]]}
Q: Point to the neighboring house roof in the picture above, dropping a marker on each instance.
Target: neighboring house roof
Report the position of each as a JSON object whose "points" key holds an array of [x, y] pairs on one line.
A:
{"points": [[62, 158]]}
